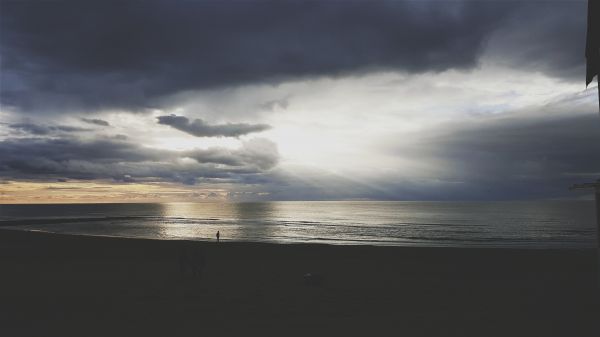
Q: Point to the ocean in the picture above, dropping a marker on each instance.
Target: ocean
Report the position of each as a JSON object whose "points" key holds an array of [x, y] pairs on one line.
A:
{"points": [[523, 224]]}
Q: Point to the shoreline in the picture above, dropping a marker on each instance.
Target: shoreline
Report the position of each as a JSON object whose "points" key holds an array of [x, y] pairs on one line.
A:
{"points": [[229, 241], [56, 284]]}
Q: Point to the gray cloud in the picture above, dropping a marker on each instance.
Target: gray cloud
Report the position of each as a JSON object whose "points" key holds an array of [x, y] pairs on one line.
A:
{"points": [[199, 128], [61, 56], [546, 37], [275, 104], [507, 158], [257, 153], [95, 121], [63, 158], [39, 129]]}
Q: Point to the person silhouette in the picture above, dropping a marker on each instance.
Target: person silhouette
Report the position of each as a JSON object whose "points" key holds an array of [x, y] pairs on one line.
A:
{"points": [[218, 236]]}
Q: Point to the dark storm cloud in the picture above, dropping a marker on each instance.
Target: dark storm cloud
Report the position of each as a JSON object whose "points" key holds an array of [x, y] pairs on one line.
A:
{"points": [[28, 153], [527, 149], [40, 129], [199, 128], [43, 158], [543, 36], [64, 55], [555, 148], [95, 121], [504, 158]]}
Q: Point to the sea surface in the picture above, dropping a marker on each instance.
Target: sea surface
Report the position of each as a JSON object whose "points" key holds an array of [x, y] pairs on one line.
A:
{"points": [[539, 224]]}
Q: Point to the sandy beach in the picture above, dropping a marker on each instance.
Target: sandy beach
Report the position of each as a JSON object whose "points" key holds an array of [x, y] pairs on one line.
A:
{"points": [[62, 285]]}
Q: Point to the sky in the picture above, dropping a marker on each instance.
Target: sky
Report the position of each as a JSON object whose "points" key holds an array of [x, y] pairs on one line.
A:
{"points": [[185, 101]]}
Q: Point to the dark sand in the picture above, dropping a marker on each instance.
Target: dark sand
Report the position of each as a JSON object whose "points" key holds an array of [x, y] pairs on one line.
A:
{"points": [[60, 285]]}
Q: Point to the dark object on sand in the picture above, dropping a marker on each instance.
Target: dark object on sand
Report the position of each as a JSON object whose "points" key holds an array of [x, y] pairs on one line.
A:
{"points": [[191, 260], [313, 279], [218, 236]]}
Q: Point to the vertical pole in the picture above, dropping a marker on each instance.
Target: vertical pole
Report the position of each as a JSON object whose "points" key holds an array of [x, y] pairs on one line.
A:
{"points": [[598, 231], [598, 196]]}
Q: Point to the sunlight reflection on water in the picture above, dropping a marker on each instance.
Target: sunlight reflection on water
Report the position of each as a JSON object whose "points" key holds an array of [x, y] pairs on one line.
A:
{"points": [[511, 224]]}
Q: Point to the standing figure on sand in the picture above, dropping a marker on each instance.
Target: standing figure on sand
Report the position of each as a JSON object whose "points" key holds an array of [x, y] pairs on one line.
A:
{"points": [[218, 236]]}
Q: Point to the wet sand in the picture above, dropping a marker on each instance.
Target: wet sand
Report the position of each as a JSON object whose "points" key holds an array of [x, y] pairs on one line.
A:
{"points": [[61, 285]]}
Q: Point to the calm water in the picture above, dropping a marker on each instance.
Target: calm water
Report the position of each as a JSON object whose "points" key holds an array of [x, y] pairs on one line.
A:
{"points": [[568, 224]]}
